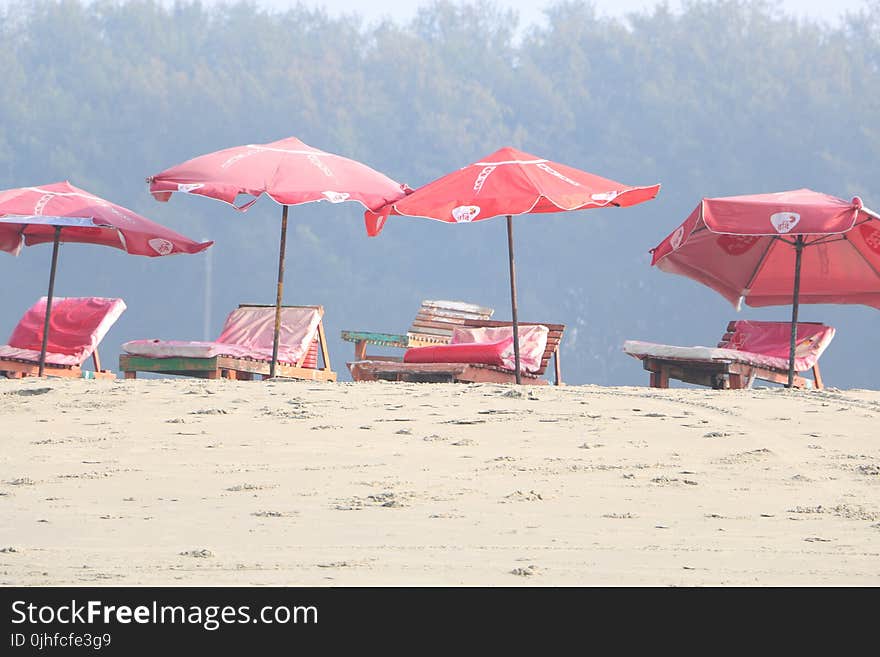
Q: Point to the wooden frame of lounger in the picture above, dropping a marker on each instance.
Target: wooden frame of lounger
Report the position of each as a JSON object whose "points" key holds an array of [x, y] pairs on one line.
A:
{"points": [[396, 370], [720, 374], [227, 367], [15, 368], [433, 324]]}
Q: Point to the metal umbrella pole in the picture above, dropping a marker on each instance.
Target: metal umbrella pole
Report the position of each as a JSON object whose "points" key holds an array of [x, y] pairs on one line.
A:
{"points": [[49, 300], [513, 298], [280, 294], [798, 250]]}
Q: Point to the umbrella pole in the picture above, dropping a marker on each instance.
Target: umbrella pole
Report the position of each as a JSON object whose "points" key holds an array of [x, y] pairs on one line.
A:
{"points": [[513, 299], [278, 298], [49, 300], [798, 250]]}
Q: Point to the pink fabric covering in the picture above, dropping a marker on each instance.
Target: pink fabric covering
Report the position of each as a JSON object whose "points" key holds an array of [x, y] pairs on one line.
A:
{"points": [[730, 245], [508, 182], [288, 171], [76, 327], [28, 216], [247, 333], [763, 344], [532, 343], [476, 353]]}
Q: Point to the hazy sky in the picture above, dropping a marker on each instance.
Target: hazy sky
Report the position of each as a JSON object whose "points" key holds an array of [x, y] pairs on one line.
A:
{"points": [[530, 11]]}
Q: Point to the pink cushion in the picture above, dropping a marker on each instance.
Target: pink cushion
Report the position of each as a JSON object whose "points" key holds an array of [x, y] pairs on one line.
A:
{"points": [[76, 326], [532, 343], [773, 339], [481, 353]]}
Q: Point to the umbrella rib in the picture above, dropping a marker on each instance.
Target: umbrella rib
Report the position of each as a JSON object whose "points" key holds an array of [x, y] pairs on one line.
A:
{"points": [[825, 239], [761, 262], [862, 256]]}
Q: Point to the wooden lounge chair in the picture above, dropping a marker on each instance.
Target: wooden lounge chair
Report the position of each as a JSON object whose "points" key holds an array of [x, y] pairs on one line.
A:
{"points": [[244, 349], [433, 324], [749, 350], [77, 326], [395, 370]]}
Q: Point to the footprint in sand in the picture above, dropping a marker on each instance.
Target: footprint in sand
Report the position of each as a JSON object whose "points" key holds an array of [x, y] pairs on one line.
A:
{"points": [[520, 496], [21, 481], [201, 553], [527, 571]]}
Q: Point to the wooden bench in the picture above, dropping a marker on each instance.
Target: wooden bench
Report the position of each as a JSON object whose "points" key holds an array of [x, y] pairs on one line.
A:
{"points": [[433, 324], [387, 370]]}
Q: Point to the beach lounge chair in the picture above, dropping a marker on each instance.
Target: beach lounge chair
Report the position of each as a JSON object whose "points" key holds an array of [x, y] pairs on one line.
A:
{"points": [[76, 327], [478, 351], [749, 350], [243, 350], [433, 324]]}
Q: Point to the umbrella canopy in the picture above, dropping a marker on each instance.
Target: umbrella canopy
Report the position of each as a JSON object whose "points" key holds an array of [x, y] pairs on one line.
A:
{"points": [[798, 246], [289, 172], [60, 212], [509, 182], [30, 215]]}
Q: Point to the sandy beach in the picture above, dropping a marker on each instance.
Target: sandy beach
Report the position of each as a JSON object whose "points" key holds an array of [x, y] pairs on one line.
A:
{"points": [[190, 482]]}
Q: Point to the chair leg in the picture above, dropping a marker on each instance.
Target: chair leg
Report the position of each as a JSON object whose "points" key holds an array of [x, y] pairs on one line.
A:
{"points": [[817, 378], [660, 378]]}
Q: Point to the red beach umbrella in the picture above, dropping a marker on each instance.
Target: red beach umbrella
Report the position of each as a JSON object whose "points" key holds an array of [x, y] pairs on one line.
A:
{"points": [[793, 247], [289, 172], [510, 182], [60, 212]]}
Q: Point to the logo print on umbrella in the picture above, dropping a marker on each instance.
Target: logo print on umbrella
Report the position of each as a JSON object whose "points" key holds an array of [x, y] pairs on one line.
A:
{"points": [[160, 246], [336, 197], [604, 197], [871, 236], [478, 184], [320, 165], [188, 187], [737, 244], [465, 213], [677, 236], [783, 222], [554, 172]]}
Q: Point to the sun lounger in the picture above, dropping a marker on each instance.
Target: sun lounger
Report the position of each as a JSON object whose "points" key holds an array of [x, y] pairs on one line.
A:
{"points": [[76, 327], [479, 351], [433, 324], [243, 350], [749, 350]]}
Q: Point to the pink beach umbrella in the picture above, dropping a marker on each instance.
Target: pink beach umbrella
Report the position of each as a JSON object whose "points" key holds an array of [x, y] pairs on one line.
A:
{"points": [[60, 212], [792, 247], [289, 172], [510, 182]]}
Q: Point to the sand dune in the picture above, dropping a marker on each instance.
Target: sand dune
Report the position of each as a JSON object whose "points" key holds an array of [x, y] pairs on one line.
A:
{"points": [[178, 482]]}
